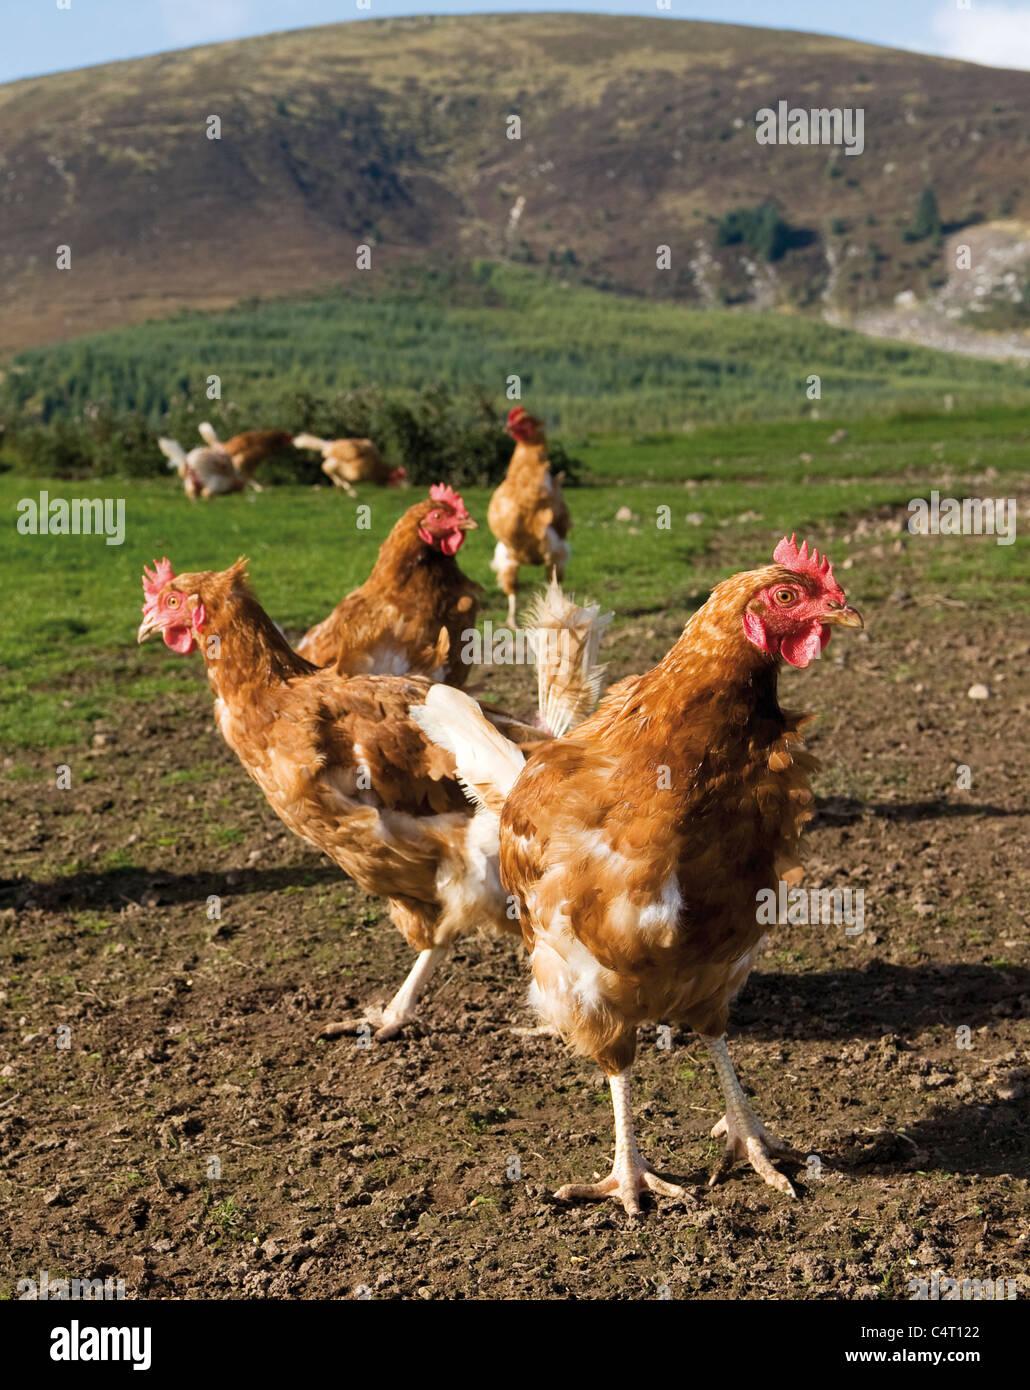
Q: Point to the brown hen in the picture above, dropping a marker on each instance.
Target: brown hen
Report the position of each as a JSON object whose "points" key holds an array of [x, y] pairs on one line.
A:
{"points": [[343, 764], [349, 461], [249, 449], [413, 613], [637, 847], [527, 513]]}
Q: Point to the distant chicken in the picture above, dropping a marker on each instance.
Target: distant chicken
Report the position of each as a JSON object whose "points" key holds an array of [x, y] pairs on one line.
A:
{"points": [[636, 848], [343, 764], [411, 614], [527, 513], [248, 449], [347, 461], [204, 472]]}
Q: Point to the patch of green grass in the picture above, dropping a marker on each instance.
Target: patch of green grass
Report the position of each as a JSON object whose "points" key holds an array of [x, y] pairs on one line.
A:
{"points": [[91, 924], [202, 772], [229, 1218], [224, 835], [68, 654], [118, 859]]}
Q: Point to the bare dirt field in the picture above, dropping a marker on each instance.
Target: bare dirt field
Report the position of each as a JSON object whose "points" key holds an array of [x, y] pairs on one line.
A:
{"points": [[148, 1045]]}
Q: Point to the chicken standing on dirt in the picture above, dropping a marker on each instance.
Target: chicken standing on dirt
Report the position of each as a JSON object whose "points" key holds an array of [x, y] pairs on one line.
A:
{"points": [[248, 449], [636, 848], [348, 461], [410, 615], [527, 513], [344, 766]]}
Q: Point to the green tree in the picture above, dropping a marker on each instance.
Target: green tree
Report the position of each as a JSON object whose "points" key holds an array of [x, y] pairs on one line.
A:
{"points": [[761, 228], [927, 219]]}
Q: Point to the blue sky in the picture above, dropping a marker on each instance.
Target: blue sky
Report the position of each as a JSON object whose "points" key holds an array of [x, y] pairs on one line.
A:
{"points": [[37, 37]]}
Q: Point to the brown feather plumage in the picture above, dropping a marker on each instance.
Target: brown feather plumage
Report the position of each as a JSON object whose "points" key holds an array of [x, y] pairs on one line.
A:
{"points": [[409, 615], [679, 789], [527, 512], [344, 766], [252, 447]]}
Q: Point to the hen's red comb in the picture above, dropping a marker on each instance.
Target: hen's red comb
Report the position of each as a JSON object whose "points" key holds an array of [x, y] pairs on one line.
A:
{"points": [[442, 492], [790, 557], [154, 580], [516, 413]]}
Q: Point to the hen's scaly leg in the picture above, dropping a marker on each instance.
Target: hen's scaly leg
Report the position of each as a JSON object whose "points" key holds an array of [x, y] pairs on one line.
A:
{"points": [[401, 1008], [630, 1175], [389, 1022], [512, 599], [745, 1136]]}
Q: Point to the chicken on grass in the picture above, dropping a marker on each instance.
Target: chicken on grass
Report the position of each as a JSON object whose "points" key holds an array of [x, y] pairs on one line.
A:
{"points": [[410, 615], [344, 765], [636, 848], [248, 450], [527, 513], [204, 472], [349, 461]]}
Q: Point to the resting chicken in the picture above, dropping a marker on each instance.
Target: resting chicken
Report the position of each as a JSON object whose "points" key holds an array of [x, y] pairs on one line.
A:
{"points": [[637, 847]]}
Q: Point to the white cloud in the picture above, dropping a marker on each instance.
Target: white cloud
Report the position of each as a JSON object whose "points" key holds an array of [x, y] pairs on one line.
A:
{"points": [[188, 22], [994, 34]]}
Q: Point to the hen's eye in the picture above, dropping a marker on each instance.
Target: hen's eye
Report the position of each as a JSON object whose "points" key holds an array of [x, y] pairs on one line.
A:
{"points": [[172, 601], [784, 596]]}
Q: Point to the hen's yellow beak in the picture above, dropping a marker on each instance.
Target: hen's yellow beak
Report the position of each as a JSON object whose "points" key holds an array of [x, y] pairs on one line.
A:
{"points": [[843, 615], [146, 627]]}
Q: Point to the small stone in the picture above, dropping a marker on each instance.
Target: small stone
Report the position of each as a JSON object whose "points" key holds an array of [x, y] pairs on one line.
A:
{"points": [[979, 691], [624, 514]]}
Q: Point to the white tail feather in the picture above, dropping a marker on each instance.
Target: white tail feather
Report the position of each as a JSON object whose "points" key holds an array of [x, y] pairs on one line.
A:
{"points": [[174, 453], [207, 433], [487, 763], [566, 639], [310, 441]]}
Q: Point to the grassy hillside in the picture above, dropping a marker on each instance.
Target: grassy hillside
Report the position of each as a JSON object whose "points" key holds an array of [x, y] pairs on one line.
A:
{"points": [[636, 132], [592, 362]]}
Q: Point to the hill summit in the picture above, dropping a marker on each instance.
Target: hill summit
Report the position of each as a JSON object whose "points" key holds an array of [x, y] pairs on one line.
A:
{"points": [[577, 142]]}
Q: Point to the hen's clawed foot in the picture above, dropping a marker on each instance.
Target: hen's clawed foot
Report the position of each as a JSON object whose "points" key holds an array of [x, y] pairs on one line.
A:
{"points": [[381, 1024], [746, 1138], [625, 1183], [542, 1030]]}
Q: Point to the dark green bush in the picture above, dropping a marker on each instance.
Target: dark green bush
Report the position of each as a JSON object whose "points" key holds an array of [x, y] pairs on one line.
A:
{"points": [[435, 435], [761, 228], [926, 223]]}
